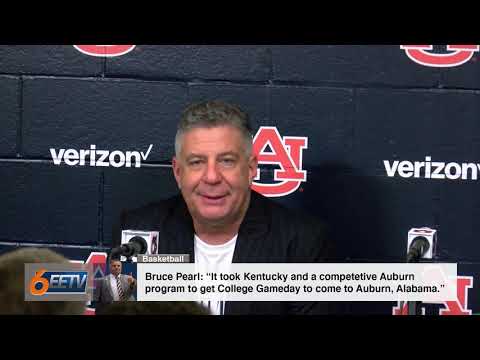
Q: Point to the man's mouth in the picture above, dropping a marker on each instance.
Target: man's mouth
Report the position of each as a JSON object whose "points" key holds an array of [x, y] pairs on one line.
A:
{"points": [[213, 199]]}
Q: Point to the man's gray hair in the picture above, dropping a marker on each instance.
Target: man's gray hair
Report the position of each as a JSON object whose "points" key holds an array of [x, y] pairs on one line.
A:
{"points": [[210, 114]]}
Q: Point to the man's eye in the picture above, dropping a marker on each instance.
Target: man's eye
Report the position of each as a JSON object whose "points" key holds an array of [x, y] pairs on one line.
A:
{"points": [[194, 162], [228, 162]]}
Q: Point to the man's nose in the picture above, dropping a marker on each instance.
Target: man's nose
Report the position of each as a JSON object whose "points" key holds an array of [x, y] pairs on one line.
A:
{"points": [[212, 174]]}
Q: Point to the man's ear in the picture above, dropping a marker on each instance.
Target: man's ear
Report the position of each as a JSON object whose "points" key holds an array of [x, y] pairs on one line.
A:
{"points": [[252, 167], [176, 170]]}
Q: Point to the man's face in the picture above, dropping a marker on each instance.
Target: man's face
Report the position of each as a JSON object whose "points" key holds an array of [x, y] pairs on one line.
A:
{"points": [[115, 267], [214, 174]]}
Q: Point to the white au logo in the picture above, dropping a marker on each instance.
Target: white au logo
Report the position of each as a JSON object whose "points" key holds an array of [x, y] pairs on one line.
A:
{"points": [[287, 153]]}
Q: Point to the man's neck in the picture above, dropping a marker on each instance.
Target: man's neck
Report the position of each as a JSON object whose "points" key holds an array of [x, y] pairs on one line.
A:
{"points": [[216, 235], [222, 232]]}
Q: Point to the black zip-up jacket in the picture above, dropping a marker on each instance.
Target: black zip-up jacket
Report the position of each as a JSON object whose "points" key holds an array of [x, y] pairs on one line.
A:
{"points": [[269, 233]]}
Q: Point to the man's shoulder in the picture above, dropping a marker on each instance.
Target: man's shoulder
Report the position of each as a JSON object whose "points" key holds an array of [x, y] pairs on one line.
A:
{"points": [[306, 236], [103, 279], [280, 213]]}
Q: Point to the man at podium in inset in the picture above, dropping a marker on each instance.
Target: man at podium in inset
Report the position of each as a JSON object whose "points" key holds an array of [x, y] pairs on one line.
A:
{"points": [[114, 287]]}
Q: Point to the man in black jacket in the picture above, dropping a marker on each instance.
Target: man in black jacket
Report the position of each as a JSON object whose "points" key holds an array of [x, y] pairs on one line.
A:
{"points": [[217, 219]]}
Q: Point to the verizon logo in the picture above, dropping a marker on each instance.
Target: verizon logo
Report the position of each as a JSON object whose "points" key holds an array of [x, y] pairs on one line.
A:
{"points": [[429, 169], [102, 158]]}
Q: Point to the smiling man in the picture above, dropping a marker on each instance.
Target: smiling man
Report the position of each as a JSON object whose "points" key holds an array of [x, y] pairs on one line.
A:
{"points": [[218, 219]]}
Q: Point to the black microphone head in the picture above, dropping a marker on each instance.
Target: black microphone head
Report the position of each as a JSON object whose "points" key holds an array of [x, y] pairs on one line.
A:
{"points": [[421, 242], [140, 244], [418, 247]]}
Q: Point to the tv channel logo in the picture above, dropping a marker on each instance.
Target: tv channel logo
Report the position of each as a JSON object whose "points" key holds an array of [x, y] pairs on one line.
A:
{"points": [[57, 282]]}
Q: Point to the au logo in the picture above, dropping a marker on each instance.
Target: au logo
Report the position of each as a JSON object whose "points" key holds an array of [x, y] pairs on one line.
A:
{"points": [[104, 50], [458, 307], [285, 152], [456, 55]]}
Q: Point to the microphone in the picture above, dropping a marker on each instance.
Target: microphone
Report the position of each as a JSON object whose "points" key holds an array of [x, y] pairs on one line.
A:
{"points": [[421, 244], [418, 248], [151, 238], [136, 245]]}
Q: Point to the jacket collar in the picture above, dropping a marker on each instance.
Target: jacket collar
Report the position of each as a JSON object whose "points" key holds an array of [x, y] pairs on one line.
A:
{"points": [[180, 230], [254, 229]]}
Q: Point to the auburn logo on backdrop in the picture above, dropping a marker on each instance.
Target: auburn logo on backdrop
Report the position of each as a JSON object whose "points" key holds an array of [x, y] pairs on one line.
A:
{"points": [[458, 307], [285, 152], [98, 261], [456, 55], [104, 50]]}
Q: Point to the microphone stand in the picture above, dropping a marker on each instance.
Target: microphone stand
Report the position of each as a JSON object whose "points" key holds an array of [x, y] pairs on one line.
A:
{"points": [[413, 307], [117, 253]]}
